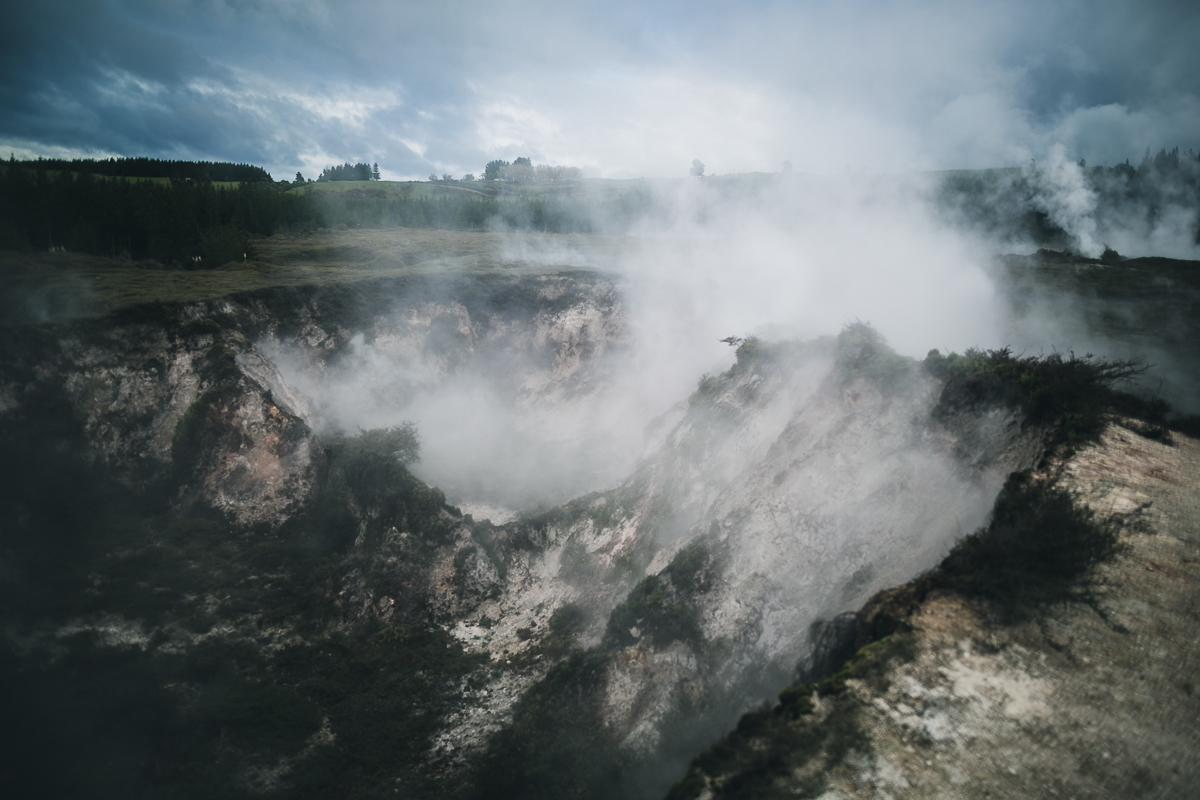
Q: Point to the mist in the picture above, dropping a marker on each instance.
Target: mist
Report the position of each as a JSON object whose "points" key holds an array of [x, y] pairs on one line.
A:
{"points": [[797, 259], [776, 256]]}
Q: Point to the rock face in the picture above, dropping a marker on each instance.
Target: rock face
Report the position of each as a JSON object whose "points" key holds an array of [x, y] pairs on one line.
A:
{"points": [[1107, 694], [782, 493], [172, 403], [789, 490], [213, 534], [1083, 700], [506, 376], [196, 392]]}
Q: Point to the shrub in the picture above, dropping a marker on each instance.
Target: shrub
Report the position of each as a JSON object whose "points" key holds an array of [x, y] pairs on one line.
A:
{"points": [[1040, 548], [367, 489], [198, 430], [1187, 425], [556, 746], [662, 605], [688, 570], [706, 391], [1073, 394], [399, 442], [567, 620], [862, 352], [654, 607], [750, 350], [222, 244]]}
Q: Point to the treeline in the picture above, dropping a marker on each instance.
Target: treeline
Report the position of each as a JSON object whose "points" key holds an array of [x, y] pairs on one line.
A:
{"points": [[194, 224], [523, 170], [176, 222], [1123, 201], [349, 172], [152, 168]]}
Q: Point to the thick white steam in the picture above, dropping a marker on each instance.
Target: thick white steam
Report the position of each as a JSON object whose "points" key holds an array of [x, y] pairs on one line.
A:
{"points": [[795, 257]]}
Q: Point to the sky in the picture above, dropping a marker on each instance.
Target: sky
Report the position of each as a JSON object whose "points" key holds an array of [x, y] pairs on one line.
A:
{"points": [[620, 89]]}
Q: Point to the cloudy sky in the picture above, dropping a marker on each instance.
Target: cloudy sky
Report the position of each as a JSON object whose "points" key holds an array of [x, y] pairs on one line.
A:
{"points": [[621, 89]]}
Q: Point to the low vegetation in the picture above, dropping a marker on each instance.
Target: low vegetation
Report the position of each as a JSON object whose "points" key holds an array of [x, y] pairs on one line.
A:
{"points": [[1041, 548], [860, 351], [40, 287], [557, 745], [1076, 397], [663, 606]]}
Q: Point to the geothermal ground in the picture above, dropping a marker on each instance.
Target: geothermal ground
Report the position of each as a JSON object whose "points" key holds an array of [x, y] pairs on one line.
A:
{"points": [[1085, 701]]}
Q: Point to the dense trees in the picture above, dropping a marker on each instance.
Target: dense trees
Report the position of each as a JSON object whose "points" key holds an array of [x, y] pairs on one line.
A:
{"points": [[523, 170], [179, 221], [172, 221], [350, 172], [155, 168], [491, 172], [1017, 204]]}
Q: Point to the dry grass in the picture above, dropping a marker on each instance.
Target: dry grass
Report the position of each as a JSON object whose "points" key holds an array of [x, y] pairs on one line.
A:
{"points": [[81, 285]]}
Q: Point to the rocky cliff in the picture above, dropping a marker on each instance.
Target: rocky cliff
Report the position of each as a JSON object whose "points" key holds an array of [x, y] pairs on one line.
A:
{"points": [[300, 611], [1089, 699]]}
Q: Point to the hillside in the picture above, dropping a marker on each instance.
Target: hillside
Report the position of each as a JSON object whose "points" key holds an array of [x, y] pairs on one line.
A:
{"points": [[50, 287], [258, 588], [298, 610], [1095, 700]]}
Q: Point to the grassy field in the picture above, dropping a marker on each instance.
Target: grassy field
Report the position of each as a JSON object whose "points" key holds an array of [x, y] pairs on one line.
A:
{"points": [[592, 188], [48, 287]]}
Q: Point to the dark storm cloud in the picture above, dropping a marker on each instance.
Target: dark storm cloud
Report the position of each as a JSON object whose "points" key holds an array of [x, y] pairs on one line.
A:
{"points": [[627, 88]]}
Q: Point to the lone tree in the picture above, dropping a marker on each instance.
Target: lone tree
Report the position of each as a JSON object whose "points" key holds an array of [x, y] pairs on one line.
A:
{"points": [[492, 171], [697, 169], [375, 171]]}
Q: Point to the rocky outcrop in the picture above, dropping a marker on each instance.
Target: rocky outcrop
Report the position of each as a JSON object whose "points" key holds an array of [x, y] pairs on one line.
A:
{"points": [[158, 405], [834, 488], [1080, 700], [193, 395], [545, 336], [788, 490], [783, 492]]}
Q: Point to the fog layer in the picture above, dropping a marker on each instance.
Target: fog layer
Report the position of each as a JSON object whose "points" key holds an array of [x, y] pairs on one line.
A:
{"points": [[798, 258]]}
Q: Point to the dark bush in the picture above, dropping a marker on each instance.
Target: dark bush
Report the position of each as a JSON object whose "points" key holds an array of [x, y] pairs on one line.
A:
{"points": [[556, 746], [689, 569], [652, 607], [1188, 425], [567, 620], [200, 430], [750, 350], [706, 391], [662, 606], [1073, 394], [862, 352], [1040, 548]]}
